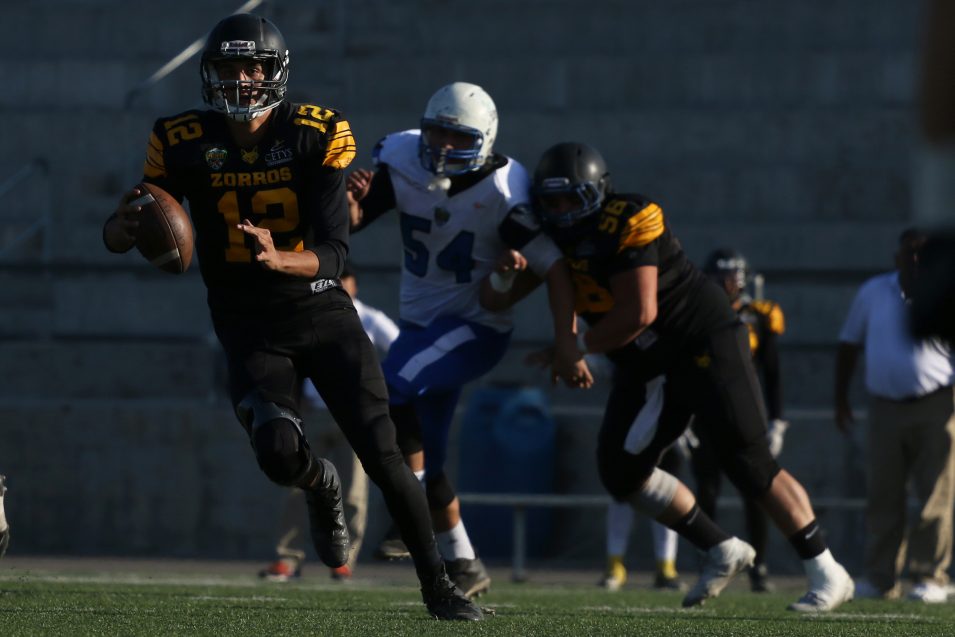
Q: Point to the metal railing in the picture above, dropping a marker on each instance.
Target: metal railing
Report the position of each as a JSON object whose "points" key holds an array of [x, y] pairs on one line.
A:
{"points": [[36, 167], [520, 502]]}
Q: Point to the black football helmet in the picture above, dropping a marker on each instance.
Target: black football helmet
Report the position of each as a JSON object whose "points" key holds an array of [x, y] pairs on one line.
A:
{"points": [[730, 269], [244, 36], [570, 184]]}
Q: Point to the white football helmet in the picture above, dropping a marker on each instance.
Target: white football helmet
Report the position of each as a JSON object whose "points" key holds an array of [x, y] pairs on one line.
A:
{"points": [[463, 108]]}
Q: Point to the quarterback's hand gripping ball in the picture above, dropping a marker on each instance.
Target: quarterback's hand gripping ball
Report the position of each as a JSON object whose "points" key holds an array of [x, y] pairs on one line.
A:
{"points": [[164, 236]]}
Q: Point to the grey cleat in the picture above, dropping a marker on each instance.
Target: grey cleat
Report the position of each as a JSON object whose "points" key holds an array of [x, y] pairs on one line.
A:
{"points": [[392, 547], [470, 576]]}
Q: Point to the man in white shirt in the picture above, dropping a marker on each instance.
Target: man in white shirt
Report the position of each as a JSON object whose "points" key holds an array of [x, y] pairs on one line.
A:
{"points": [[911, 432]]}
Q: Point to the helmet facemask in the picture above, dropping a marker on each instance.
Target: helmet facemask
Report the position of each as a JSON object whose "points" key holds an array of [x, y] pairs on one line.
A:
{"points": [[244, 100], [441, 160], [563, 204]]}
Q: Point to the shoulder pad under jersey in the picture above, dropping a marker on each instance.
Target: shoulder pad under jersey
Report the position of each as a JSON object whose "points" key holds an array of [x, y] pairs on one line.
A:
{"points": [[338, 142]]}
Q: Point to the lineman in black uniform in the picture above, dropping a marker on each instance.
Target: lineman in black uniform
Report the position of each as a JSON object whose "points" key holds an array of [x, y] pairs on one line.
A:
{"points": [[266, 192], [679, 349], [764, 321]]}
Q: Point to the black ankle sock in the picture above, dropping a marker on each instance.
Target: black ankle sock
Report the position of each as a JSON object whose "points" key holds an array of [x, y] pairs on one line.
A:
{"points": [[697, 527], [808, 541]]}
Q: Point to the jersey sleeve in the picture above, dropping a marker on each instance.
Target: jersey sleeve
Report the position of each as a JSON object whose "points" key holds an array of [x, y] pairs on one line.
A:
{"points": [[329, 147], [521, 231], [335, 142], [639, 227], [155, 169], [775, 321]]}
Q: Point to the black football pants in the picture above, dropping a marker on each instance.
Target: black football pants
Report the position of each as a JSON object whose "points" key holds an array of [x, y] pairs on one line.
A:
{"points": [[272, 352]]}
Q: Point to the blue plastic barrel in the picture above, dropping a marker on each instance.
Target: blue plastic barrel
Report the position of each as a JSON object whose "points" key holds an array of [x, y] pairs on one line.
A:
{"points": [[507, 445]]}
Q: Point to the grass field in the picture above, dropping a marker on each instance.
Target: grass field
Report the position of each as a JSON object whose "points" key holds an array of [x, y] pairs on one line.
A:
{"points": [[166, 603]]}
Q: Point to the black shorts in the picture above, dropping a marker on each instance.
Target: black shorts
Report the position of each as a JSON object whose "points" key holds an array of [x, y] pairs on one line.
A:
{"points": [[717, 382]]}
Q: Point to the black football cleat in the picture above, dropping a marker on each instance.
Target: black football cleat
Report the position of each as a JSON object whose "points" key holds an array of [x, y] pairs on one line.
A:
{"points": [[469, 576], [326, 516], [446, 602], [392, 547]]}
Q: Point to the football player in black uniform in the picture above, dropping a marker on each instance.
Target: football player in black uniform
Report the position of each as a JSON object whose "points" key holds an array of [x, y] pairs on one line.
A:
{"points": [[764, 321], [266, 192], [679, 349]]}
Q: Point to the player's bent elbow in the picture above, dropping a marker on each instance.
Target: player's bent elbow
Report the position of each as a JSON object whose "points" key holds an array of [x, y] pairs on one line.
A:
{"points": [[647, 316]]}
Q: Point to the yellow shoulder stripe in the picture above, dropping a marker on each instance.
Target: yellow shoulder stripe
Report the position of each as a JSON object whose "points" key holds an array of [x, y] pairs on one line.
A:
{"points": [[642, 228], [341, 146], [772, 311], [155, 164]]}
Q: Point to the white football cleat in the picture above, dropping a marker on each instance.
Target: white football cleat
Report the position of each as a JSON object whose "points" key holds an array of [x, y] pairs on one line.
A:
{"points": [[829, 586], [720, 564], [929, 593]]}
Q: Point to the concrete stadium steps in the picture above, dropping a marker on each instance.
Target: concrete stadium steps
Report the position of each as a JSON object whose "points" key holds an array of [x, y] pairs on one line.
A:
{"points": [[111, 368], [176, 478], [624, 27], [135, 477], [75, 302]]}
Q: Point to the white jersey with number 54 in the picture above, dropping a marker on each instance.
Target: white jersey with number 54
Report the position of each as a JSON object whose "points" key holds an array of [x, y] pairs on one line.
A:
{"points": [[452, 243]]}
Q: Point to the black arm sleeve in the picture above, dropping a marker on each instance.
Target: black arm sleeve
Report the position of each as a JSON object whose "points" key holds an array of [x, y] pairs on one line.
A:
{"points": [[380, 198], [768, 360], [327, 211]]}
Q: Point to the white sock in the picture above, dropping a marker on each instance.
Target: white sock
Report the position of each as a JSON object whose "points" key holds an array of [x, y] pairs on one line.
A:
{"points": [[619, 523], [420, 476], [3, 517], [818, 568], [454, 543], [664, 542]]}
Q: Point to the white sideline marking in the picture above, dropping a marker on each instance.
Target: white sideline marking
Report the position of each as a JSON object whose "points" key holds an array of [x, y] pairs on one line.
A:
{"points": [[670, 610], [232, 598], [173, 580]]}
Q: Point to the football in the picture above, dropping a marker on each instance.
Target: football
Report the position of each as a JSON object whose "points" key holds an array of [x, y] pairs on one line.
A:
{"points": [[165, 233]]}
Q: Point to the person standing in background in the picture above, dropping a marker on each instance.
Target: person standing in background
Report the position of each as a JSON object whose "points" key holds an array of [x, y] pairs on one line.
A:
{"points": [[764, 322], [911, 433]]}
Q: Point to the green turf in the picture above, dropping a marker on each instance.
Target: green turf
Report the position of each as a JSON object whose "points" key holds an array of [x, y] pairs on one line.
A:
{"points": [[92, 606]]}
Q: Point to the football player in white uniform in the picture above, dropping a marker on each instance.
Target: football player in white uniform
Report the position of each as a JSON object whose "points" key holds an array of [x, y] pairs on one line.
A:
{"points": [[462, 208]]}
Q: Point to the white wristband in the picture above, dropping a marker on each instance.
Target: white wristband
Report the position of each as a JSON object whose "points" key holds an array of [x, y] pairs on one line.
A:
{"points": [[502, 282], [581, 345]]}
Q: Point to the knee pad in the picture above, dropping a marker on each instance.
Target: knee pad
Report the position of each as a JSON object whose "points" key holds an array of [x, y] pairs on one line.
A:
{"points": [[278, 440], [439, 490], [656, 494]]}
